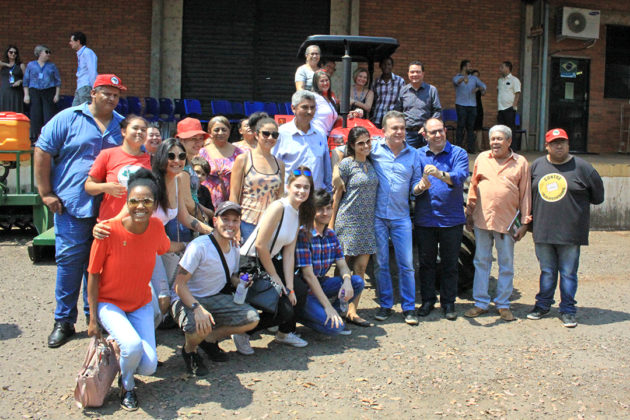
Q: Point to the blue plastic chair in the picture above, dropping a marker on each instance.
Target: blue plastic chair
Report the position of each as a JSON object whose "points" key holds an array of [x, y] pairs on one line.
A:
{"points": [[151, 109], [253, 106], [179, 108], [237, 109], [123, 107], [221, 107], [65, 101], [192, 107], [287, 106], [271, 108], [167, 111], [135, 106]]}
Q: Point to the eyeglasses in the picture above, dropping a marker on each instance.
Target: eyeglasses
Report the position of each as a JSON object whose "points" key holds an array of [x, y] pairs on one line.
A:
{"points": [[273, 134], [180, 156], [135, 202], [438, 131], [305, 172]]}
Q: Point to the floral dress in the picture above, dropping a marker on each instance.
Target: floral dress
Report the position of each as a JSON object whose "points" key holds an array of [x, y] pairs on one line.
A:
{"points": [[354, 224], [218, 181]]}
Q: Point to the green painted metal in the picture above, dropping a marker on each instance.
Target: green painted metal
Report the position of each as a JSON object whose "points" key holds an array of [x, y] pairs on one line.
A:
{"points": [[46, 238]]}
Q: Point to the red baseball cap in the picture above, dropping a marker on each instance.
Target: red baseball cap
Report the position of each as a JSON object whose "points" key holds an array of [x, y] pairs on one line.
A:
{"points": [[189, 127], [108, 80], [555, 134]]}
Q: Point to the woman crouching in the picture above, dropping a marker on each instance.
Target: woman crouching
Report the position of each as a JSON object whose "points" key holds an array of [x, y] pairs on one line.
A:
{"points": [[118, 283]]}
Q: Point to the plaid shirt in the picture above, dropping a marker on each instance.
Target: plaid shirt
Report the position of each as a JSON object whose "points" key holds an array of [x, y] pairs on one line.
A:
{"points": [[320, 252], [386, 96]]}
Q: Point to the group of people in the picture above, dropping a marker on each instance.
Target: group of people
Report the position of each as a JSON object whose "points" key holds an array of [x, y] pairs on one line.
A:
{"points": [[175, 220], [38, 83]]}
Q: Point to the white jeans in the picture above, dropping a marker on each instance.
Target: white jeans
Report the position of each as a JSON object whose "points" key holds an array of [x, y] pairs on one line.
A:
{"points": [[135, 334]]}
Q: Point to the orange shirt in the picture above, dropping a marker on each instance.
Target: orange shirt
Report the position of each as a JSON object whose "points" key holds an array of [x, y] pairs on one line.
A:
{"points": [[497, 191], [125, 261]]}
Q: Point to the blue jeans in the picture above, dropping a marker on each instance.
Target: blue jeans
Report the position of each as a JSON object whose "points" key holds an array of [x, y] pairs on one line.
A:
{"points": [[553, 259], [313, 314], [401, 234], [246, 230], [414, 139], [135, 334], [483, 263], [73, 240], [466, 116], [178, 232]]}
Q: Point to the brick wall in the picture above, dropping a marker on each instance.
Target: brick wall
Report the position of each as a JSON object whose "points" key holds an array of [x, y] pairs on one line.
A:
{"points": [[603, 120], [119, 32], [441, 34]]}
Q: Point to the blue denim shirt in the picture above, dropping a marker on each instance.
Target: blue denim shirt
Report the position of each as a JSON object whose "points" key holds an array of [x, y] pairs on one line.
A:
{"points": [[397, 175], [43, 77], [73, 140], [442, 205], [465, 94], [86, 69]]}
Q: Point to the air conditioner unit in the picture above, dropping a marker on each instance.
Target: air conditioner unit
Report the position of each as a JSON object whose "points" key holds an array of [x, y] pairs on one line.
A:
{"points": [[577, 23]]}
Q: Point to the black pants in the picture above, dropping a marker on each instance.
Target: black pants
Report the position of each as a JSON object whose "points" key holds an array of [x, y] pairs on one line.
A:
{"points": [[42, 109], [449, 240], [285, 317], [508, 117], [466, 116]]}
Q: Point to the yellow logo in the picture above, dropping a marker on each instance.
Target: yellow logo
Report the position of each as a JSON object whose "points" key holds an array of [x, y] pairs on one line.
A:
{"points": [[552, 187]]}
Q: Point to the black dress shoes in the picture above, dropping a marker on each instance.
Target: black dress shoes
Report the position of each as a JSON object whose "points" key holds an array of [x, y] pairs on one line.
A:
{"points": [[449, 312], [426, 308], [60, 334]]}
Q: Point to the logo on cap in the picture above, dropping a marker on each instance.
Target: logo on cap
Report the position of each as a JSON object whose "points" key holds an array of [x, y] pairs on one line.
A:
{"points": [[556, 132], [114, 80]]}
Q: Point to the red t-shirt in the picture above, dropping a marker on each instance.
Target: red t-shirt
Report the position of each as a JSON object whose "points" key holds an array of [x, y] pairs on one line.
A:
{"points": [[116, 165], [125, 261]]}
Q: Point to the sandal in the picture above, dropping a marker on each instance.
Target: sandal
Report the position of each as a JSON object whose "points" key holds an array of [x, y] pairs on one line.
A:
{"points": [[357, 320]]}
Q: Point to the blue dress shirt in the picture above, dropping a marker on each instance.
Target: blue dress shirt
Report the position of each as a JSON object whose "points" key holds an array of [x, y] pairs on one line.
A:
{"points": [[397, 175], [86, 70], [465, 94], [41, 77], [442, 205], [296, 148], [73, 139]]}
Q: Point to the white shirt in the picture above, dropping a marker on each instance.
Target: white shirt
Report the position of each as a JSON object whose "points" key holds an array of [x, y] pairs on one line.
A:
{"points": [[507, 88], [287, 234], [325, 115], [202, 260]]}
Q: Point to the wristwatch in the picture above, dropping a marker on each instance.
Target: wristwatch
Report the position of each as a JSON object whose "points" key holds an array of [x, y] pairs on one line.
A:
{"points": [[194, 306], [443, 174]]}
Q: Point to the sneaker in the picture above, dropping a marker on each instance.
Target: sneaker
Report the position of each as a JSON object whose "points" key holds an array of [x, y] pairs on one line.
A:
{"points": [[537, 313], [241, 341], [128, 400], [506, 314], [383, 314], [568, 320], [474, 312], [213, 351], [194, 363], [345, 331], [410, 317], [290, 339]]}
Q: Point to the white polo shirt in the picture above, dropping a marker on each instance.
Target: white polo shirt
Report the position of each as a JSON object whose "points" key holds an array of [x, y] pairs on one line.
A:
{"points": [[508, 87]]}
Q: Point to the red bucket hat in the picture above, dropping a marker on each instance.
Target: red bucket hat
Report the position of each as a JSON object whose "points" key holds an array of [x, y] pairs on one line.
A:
{"points": [[108, 80], [189, 127]]}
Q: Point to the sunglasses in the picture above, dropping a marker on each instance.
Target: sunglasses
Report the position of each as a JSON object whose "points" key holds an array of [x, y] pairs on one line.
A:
{"points": [[363, 143], [305, 172], [134, 202], [47, 51], [12, 52], [273, 134], [180, 156]]}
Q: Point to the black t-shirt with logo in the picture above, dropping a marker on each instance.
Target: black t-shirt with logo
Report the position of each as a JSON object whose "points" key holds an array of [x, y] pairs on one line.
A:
{"points": [[561, 199]]}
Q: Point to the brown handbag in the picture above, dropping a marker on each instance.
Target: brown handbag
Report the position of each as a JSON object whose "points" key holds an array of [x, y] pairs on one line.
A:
{"points": [[97, 374]]}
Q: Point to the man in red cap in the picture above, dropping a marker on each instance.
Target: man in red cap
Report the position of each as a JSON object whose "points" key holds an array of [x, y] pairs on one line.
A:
{"points": [[63, 156], [563, 188]]}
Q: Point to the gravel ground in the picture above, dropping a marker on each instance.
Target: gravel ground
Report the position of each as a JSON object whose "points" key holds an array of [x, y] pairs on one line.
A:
{"points": [[463, 369]]}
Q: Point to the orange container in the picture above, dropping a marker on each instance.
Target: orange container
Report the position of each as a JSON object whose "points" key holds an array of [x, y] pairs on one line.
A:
{"points": [[14, 135]]}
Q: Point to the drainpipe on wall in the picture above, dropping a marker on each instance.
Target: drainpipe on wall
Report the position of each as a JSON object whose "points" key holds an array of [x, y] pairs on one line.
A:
{"points": [[542, 120]]}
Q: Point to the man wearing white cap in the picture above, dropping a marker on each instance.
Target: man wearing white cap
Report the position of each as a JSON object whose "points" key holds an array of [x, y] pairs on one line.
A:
{"points": [[64, 154], [563, 188]]}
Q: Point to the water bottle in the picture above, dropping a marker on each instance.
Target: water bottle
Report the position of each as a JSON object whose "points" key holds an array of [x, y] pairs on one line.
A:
{"points": [[343, 304], [241, 289]]}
